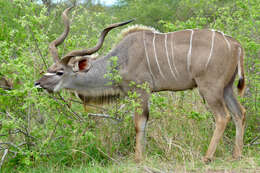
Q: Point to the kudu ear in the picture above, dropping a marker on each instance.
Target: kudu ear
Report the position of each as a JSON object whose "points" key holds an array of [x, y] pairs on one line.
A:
{"points": [[83, 64], [78, 64]]}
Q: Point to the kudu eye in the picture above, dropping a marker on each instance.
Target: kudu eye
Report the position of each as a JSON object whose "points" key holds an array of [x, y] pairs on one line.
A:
{"points": [[59, 73]]}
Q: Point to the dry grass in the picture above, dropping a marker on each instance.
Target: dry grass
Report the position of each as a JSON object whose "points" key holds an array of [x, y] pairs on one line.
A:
{"points": [[158, 165], [178, 134]]}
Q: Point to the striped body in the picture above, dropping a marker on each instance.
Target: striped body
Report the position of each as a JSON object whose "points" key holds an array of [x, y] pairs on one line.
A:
{"points": [[174, 60]]}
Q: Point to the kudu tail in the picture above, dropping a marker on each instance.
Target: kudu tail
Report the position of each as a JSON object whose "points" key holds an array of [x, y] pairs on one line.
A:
{"points": [[241, 82], [231, 101]]}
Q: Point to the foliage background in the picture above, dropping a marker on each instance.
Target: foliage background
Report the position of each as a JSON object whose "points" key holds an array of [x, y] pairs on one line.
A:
{"points": [[39, 130]]}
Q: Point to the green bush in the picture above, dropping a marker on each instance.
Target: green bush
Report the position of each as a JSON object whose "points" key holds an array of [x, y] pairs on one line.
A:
{"points": [[39, 128]]}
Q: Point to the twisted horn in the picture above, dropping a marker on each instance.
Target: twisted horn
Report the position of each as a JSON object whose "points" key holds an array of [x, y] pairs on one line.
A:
{"points": [[100, 41], [53, 45]]}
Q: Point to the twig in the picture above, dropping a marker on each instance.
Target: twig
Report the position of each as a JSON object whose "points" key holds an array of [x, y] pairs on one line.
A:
{"points": [[18, 131], [3, 158], [82, 152], [107, 155], [79, 102], [9, 115], [147, 170], [37, 47], [23, 143], [13, 145], [103, 116], [91, 105], [26, 134], [25, 154], [253, 142], [152, 170], [68, 107], [54, 130], [10, 143]]}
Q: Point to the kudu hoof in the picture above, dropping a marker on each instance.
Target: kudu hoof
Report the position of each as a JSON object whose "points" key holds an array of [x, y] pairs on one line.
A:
{"points": [[138, 158], [207, 160], [236, 157]]}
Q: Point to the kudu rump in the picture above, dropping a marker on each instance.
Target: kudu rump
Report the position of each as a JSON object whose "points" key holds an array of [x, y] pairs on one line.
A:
{"points": [[206, 59]]}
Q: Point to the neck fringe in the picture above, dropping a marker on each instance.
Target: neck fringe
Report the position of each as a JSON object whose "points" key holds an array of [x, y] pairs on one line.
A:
{"points": [[135, 28]]}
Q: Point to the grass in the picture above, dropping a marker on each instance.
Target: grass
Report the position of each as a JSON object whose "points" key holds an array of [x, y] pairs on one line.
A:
{"points": [[177, 138], [155, 164]]}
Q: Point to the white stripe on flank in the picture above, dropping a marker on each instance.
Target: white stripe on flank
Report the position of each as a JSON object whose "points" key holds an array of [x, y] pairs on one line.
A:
{"points": [[147, 58], [189, 53], [173, 57], [49, 74], [229, 47], [239, 67], [212, 46], [156, 59], [168, 56]]}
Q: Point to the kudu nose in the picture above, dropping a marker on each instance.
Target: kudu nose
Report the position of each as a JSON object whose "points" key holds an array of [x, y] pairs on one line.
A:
{"points": [[36, 83]]}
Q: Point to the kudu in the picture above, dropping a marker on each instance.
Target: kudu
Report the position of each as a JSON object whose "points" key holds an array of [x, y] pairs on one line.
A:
{"points": [[182, 60]]}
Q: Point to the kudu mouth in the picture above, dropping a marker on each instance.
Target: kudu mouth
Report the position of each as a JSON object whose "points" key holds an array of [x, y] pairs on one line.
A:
{"points": [[45, 90], [37, 84], [41, 88]]}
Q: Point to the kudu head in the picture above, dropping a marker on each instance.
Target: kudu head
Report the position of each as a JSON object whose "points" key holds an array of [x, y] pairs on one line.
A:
{"points": [[73, 63], [5, 84]]}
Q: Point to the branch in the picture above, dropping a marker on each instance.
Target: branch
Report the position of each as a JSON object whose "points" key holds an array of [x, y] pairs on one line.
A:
{"points": [[152, 170], [54, 130], [37, 47], [3, 158], [15, 146], [26, 134], [68, 107], [18, 131], [10, 144], [108, 155], [91, 105], [104, 116], [253, 142]]}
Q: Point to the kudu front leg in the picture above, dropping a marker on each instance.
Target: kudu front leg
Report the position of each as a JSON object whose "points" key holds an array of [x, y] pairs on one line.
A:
{"points": [[140, 120]]}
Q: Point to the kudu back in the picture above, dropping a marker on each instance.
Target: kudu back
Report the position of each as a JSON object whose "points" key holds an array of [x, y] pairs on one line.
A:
{"points": [[202, 58]]}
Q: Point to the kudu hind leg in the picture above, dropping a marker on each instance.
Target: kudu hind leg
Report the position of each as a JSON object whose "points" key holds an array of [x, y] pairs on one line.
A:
{"points": [[140, 120], [222, 117], [238, 115]]}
